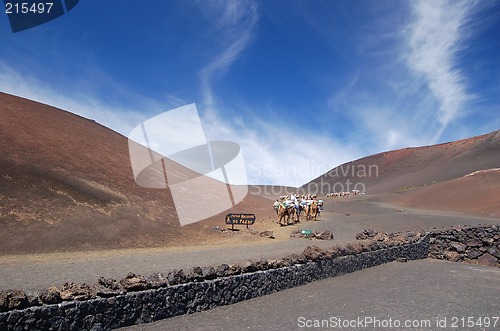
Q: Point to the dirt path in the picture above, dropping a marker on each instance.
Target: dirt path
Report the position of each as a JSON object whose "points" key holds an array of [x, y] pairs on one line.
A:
{"points": [[37, 272]]}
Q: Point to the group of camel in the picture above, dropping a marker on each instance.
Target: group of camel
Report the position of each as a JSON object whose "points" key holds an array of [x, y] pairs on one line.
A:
{"points": [[343, 194], [290, 214]]}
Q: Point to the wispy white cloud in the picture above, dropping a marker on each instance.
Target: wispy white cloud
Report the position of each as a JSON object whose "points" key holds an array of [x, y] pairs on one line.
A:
{"points": [[118, 118], [277, 153], [435, 38], [274, 152], [387, 106], [418, 91], [233, 23]]}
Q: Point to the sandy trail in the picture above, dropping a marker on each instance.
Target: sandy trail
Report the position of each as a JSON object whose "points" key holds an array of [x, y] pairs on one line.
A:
{"points": [[37, 272]]}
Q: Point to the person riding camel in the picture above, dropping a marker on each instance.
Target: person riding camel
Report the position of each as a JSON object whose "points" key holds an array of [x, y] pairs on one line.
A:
{"points": [[276, 206], [297, 206]]}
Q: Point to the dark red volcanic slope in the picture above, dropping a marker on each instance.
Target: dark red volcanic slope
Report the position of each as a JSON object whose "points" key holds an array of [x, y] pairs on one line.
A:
{"points": [[409, 168], [66, 183], [474, 193]]}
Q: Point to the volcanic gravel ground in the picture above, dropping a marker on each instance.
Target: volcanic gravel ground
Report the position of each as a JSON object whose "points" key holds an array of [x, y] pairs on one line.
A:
{"points": [[37, 272]]}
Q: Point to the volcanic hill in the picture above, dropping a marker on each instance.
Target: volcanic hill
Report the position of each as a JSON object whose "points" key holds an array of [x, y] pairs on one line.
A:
{"points": [[66, 183], [434, 177]]}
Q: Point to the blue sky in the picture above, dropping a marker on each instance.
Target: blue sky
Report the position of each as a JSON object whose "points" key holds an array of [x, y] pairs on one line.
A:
{"points": [[302, 86]]}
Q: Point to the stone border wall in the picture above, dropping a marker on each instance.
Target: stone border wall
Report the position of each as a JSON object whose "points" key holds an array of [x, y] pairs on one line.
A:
{"points": [[137, 299], [248, 281], [478, 244]]}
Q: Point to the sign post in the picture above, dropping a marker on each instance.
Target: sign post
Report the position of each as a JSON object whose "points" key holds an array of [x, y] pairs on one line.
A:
{"points": [[246, 219]]}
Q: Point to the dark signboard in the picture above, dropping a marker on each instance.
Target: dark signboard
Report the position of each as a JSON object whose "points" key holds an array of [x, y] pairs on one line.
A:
{"points": [[245, 219]]}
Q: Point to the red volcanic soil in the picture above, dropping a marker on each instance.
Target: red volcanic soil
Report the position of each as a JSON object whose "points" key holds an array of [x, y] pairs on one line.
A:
{"points": [[476, 193], [66, 183], [409, 168]]}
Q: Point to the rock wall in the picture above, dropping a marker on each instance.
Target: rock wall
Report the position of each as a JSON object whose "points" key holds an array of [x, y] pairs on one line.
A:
{"points": [[145, 300], [471, 244], [478, 244], [137, 299]]}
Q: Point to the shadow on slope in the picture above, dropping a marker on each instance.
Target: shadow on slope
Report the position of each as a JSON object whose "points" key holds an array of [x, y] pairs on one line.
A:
{"points": [[66, 183]]}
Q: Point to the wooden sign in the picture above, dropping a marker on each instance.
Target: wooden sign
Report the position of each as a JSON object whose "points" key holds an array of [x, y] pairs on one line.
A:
{"points": [[245, 219]]}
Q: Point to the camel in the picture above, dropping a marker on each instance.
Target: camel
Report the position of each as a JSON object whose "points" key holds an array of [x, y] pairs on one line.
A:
{"points": [[312, 210], [298, 211], [305, 210], [286, 212], [282, 213]]}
